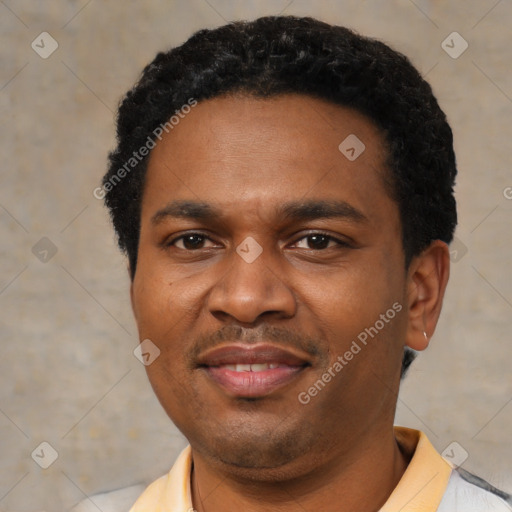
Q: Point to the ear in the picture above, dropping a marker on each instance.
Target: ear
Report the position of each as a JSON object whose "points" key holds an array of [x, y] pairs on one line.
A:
{"points": [[426, 283]]}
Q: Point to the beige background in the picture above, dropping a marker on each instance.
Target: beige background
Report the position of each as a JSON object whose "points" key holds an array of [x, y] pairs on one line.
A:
{"points": [[69, 376]]}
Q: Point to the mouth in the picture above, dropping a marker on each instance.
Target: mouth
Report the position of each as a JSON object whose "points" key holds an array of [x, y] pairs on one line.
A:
{"points": [[252, 371]]}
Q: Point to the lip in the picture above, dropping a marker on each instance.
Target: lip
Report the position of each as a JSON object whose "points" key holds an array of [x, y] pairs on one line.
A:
{"points": [[252, 384], [251, 354]]}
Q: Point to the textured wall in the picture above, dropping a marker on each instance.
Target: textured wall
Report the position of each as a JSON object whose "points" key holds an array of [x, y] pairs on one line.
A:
{"points": [[69, 377]]}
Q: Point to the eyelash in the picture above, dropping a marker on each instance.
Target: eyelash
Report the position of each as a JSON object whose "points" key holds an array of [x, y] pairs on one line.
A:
{"points": [[330, 238]]}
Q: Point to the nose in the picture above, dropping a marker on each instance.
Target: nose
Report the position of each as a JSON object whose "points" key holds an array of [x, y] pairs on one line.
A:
{"points": [[247, 291]]}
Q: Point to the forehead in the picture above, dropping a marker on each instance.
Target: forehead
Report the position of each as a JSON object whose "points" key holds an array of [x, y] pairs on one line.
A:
{"points": [[235, 150]]}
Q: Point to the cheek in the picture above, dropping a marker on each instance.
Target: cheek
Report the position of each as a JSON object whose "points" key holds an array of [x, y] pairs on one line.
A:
{"points": [[151, 301], [152, 316], [349, 297], [160, 297], [359, 312]]}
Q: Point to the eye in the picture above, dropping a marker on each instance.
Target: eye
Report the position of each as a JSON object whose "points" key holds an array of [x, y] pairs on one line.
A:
{"points": [[319, 241], [190, 242], [313, 241]]}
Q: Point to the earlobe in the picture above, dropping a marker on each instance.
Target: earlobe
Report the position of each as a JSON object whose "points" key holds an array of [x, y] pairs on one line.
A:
{"points": [[418, 340], [427, 280]]}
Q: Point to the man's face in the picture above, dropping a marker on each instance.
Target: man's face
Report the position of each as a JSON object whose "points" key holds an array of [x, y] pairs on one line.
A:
{"points": [[267, 175]]}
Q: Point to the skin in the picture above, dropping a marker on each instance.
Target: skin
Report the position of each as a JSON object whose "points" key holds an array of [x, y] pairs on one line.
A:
{"points": [[247, 157]]}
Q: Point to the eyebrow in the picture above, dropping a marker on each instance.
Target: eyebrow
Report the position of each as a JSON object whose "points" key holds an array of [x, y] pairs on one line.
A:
{"points": [[293, 210], [321, 209], [186, 210]]}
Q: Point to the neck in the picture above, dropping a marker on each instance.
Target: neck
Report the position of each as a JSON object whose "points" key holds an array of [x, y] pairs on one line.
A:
{"points": [[361, 478]]}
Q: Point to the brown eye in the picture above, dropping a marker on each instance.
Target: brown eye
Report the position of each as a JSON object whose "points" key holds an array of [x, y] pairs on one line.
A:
{"points": [[190, 242], [318, 241]]}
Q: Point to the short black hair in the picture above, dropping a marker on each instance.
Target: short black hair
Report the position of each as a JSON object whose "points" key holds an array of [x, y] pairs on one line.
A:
{"points": [[277, 55]]}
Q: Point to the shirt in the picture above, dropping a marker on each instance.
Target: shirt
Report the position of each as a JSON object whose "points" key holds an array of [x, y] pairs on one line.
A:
{"points": [[429, 484]]}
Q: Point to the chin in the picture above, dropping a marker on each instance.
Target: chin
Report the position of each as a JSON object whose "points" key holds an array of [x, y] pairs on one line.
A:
{"points": [[250, 450]]}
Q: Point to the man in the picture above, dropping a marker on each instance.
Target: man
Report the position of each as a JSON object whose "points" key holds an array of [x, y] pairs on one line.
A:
{"points": [[283, 190]]}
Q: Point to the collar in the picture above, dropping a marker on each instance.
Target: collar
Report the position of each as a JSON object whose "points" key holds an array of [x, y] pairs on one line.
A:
{"points": [[424, 482], [420, 489]]}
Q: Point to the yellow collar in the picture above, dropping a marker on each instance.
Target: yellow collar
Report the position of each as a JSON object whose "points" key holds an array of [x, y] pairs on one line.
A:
{"points": [[420, 489], [424, 482]]}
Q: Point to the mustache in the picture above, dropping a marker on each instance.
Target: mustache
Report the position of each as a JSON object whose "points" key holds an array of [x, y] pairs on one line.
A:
{"points": [[251, 336]]}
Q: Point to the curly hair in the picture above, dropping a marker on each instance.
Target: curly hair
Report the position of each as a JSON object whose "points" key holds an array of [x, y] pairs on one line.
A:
{"points": [[285, 54]]}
